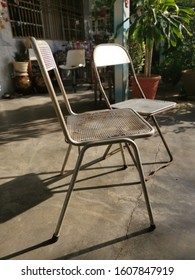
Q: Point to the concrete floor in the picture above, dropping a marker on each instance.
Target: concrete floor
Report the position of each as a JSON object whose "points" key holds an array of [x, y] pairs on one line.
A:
{"points": [[106, 218]]}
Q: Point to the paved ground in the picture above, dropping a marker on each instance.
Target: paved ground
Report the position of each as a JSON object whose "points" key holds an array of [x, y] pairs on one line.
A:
{"points": [[106, 218]]}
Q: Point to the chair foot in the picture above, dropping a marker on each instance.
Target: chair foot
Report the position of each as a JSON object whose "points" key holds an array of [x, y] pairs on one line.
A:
{"points": [[54, 238], [152, 227], [125, 166]]}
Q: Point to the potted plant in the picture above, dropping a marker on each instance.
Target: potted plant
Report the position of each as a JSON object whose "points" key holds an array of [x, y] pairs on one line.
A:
{"points": [[21, 61], [155, 22], [188, 80], [178, 64], [188, 65], [22, 80]]}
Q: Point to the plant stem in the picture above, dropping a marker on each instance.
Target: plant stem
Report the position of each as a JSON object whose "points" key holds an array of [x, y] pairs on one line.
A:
{"points": [[148, 60]]}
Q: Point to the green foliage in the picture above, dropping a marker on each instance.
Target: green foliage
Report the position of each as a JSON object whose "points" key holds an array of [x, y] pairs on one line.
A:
{"points": [[179, 58], [21, 56], [171, 66], [157, 21], [137, 52]]}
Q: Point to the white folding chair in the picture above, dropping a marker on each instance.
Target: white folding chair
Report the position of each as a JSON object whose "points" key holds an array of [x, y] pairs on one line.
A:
{"points": [[90, 129], [75, 59], [111, 54]]}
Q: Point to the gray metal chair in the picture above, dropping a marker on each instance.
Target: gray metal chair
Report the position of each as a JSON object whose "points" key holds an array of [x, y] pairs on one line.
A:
{"points": [[114, 54], [90, 129]]}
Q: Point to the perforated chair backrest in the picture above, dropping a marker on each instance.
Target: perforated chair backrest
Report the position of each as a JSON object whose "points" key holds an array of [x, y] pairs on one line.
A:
{"points": [[47, 63], [111, 54], [75, 58]]}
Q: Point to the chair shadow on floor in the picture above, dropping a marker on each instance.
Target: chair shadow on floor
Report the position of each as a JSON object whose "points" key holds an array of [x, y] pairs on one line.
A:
{"points": [[72, 255], [39, 190], [21, 194]]}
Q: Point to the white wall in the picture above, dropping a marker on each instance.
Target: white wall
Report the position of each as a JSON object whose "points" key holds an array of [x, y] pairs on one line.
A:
{"points": [[7, 49], [8, 46]]}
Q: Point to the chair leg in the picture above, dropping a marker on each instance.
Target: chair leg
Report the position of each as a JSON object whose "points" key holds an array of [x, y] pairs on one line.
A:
{"points": [[131, 154], [162, 137], [106, 153], [74, 80], [73, 180], [142, 179], [67, 198], [123, 156], [66, 159]]}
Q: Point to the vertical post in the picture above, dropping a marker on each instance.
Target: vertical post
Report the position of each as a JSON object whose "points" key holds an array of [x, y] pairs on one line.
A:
{"points": [[121, 12]]}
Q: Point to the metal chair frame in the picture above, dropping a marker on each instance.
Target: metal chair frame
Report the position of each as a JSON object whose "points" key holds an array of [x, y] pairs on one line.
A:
{"points": [[91, 129], [113, 54]]}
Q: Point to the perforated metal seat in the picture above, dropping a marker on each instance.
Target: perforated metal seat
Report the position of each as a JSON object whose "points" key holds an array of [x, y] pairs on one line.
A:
{"points": [[145, 106], [106, 124], [91, 129]]}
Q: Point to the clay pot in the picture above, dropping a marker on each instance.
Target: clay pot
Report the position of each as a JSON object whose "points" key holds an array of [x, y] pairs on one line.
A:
{"points": [[188, 79], [23, 84], [39, 84], [149, 86]]}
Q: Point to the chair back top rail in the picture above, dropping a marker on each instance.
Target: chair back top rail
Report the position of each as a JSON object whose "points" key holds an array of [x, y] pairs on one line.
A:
{"points": [[111, 54]]}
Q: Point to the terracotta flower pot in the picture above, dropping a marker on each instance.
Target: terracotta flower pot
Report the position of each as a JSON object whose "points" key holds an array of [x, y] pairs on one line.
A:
{"points": [[149, 86], [23, 83], [188, 79], [39, 84]]}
